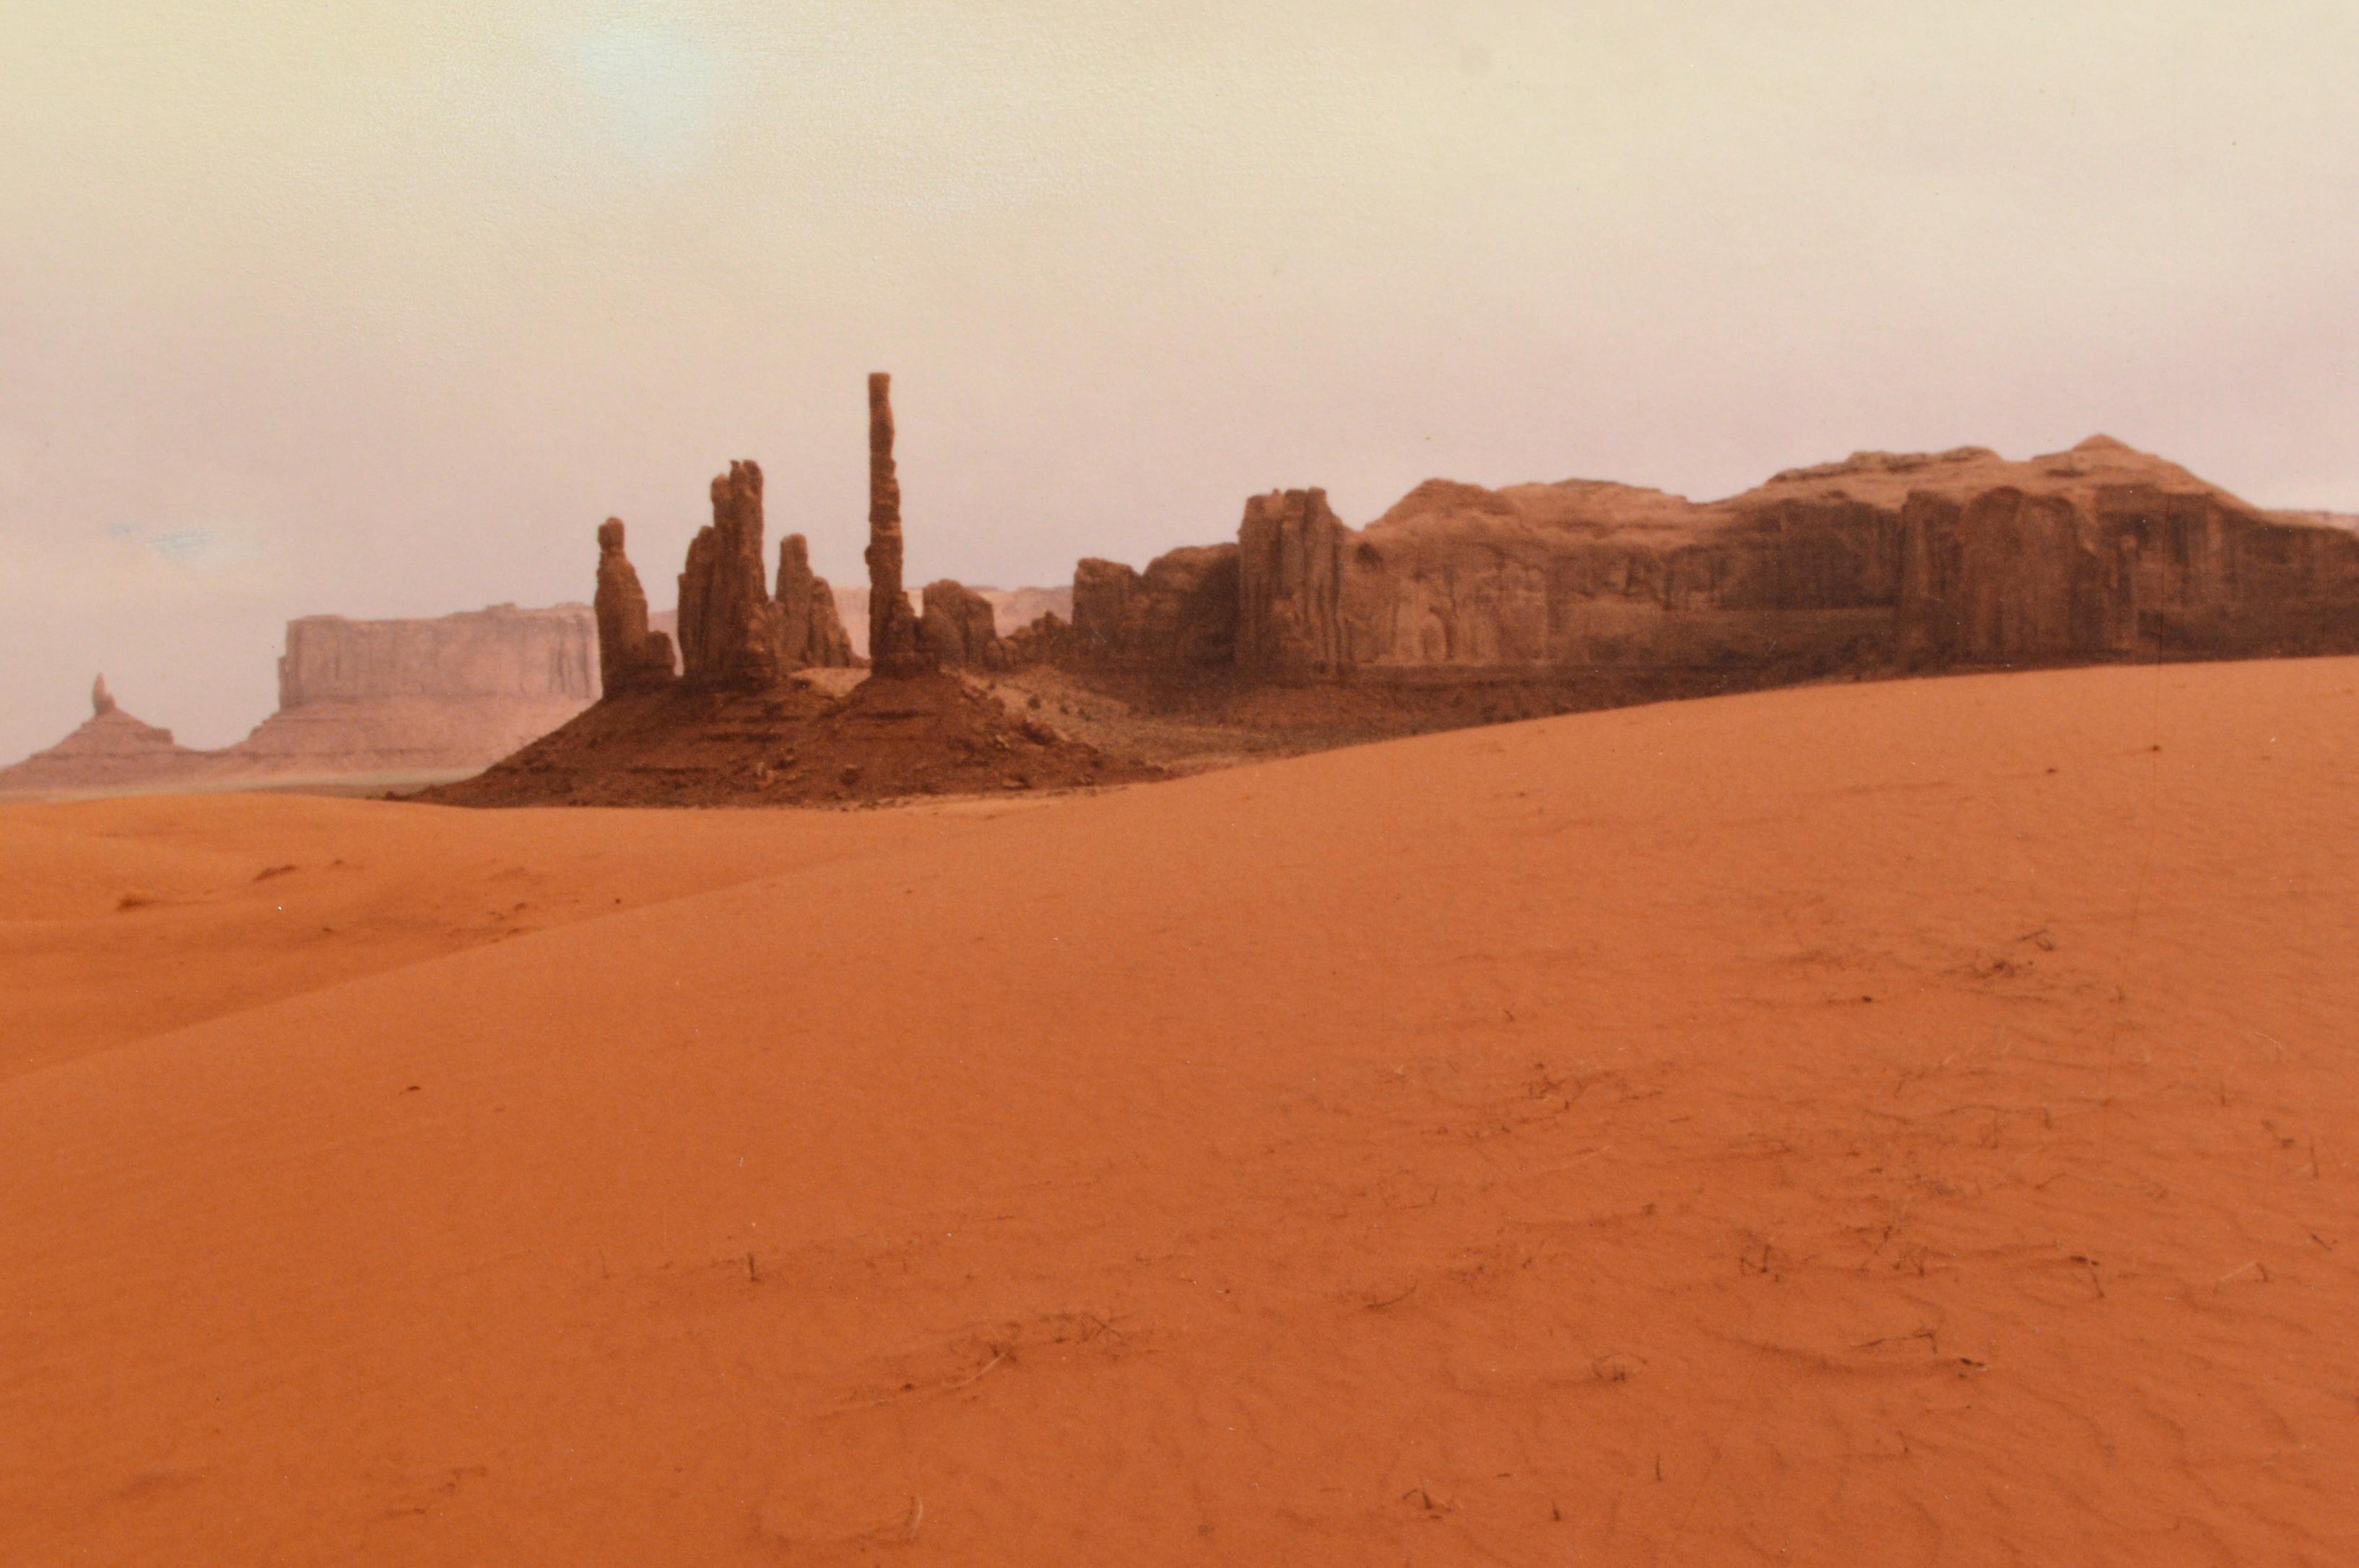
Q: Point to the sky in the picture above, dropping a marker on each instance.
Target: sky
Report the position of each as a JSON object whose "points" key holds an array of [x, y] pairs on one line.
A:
{"points": [[378, 309]]}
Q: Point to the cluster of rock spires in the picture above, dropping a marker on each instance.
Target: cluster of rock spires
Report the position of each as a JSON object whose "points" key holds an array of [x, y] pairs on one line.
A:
{"points": [[733, 725], [736, 634], [1885, 560]]}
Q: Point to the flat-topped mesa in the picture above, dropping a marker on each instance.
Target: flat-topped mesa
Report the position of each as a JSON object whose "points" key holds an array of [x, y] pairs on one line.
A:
{"points": [[101, 701], [810, 629], [728, 626], [630, 657], [894, 648]]}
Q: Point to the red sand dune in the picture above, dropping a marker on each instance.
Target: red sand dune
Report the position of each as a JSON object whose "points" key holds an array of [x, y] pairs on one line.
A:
{"points": [[1897, 1124]]}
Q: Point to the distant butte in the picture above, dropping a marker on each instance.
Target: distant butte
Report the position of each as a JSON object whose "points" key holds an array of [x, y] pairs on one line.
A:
{"points": [[111, 751]]}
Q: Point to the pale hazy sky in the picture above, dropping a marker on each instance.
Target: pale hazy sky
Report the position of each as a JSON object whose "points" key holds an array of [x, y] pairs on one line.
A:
{"points": [[378, 309]]}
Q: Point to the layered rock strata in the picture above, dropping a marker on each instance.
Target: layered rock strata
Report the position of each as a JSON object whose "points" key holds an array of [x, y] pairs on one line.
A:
{"points": [[1956, 557], [407, 696]]}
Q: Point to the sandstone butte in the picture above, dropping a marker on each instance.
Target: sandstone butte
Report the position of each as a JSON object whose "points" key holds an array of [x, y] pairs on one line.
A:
{"points": [[1881, 561]]}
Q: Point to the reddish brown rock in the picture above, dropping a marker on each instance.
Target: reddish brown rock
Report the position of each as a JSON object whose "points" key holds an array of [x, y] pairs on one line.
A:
{"points": [[1181, 612], [959, 629], [1883, 559], [1290, 552], [1049, 640], [893, 646], [728, 626], [630, 657], [811, 630]]}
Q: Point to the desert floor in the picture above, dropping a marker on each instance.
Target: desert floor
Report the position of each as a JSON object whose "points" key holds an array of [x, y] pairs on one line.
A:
{"points": [[1885, 1124]]}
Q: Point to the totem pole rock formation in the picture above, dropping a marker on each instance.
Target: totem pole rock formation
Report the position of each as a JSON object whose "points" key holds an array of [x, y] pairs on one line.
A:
{"points": [[101, 701], [630, 657], [810, 629], [728, 627], [893, 646]]}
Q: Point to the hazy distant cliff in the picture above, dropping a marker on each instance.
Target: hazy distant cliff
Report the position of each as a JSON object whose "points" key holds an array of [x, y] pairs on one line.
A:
{"points": [[445, 695], [528, 656]]}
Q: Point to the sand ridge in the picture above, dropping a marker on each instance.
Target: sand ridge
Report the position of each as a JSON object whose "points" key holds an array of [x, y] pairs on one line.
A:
{"points": [[1889, 1123]]}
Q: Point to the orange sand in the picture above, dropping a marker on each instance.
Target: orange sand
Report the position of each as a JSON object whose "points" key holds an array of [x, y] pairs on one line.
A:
{"points": [[1885, 1124]]}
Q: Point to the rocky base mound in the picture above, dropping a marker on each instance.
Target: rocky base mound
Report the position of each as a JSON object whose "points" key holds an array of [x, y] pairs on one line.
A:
{"points": [[887, 739]]}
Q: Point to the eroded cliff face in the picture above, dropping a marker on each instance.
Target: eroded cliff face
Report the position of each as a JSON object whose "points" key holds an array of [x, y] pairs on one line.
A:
{"points": [[958, 628], [1960, 556], [392, 700], [531, 654], [1181, 612], [1290, 573], [402, 697]]}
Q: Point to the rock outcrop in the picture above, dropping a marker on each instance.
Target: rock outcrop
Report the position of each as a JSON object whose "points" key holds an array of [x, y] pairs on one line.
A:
{"points": [[630, 657], [1049, 640], [1180, 614], [958, 628], [810, 630], [111, 751], [1012, 609], [728, 626], [734, 633], [1290, 550], [1881, 560], [894, 648]]}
